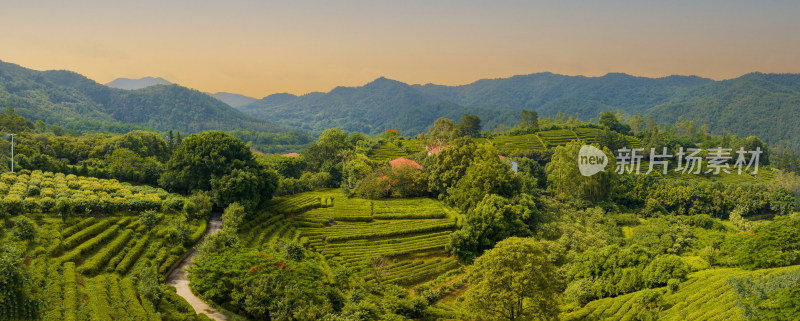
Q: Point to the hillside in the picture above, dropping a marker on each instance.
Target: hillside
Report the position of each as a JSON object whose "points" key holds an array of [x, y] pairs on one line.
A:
{"points": [[233, 100], [71, 100], [764, 105], [704, 296], [754, 104], [374, 108], [133, 84]]}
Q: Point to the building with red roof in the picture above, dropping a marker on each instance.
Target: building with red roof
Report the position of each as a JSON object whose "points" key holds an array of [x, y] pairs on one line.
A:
{"points": [[291, 155], [399, 162]]}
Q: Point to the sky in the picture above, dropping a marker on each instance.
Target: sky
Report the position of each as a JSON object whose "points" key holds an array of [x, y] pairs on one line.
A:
{"points": [[260, 47]]}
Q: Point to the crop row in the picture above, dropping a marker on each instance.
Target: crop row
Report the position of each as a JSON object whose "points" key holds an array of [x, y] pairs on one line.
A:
{"points": [[295, 204], [131, 256], [99, 260], [70, 292], [419, 270], [520, 143], [53, 293], [85, 234], [67, 232], [358, 230], [386, 152], [99, 307], [134, 308], [358, 255], [89, 245]]}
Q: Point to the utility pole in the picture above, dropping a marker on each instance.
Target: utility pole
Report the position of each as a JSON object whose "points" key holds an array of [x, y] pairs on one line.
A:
{"points": [[12, 151]]}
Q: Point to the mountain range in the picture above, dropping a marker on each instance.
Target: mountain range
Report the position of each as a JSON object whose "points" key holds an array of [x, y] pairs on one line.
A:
{"points": [[69, 99], [766, 105], [140, 83], [233, 100]]}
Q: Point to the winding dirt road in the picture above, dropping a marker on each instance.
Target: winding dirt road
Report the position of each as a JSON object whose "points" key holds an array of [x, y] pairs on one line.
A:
{"points": [[179, 278]]}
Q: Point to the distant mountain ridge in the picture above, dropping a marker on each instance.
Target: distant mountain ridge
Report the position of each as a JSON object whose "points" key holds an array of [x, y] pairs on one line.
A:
{"points": [[67, 98], [773, 100], [233, 100], [140, 83]]}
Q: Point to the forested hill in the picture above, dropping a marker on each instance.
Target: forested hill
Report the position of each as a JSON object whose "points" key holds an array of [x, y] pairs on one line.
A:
{"points": [[133, 84], [764, 105], [754, 104], [72, 100], [373, 108], [388, 104]]}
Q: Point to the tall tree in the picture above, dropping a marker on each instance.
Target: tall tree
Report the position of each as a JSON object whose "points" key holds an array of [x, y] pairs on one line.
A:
{"points": [[513, 281], [202, 157], [469, 125], [530, 119], [443, 130]]}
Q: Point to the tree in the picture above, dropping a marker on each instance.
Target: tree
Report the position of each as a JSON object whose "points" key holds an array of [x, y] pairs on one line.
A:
{"points": [[25, 228], [443, 130], [564, 177], [469, 125], [124, 164], [377, 267], [251, 187], [445, 169], [356, 168], [149, 286], [17, 293], [513, 281], [233, 216], [782, 201], [201, 157], [493, 219], [608, 119], [148, 218], [329, 148], [487, 174], [530, 119], [142, 143]]}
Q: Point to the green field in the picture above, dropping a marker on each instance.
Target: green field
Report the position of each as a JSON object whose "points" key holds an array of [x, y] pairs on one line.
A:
{"points": [[411, 233], [551, 138], [385, 152], [704, 296], [87, 267]]}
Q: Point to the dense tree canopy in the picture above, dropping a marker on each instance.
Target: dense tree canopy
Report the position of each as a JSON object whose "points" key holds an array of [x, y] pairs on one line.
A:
{"points": [[513, 281]]}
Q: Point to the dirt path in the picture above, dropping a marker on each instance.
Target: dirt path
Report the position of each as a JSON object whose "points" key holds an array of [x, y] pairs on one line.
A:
{"points": [[179, 278]]}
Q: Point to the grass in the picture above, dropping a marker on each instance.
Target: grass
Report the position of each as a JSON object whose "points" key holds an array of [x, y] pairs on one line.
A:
{"points": [[412, 233], [385, 152], [704, 296]]}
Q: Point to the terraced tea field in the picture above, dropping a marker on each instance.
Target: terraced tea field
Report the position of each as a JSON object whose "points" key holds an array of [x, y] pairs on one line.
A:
{"points": [[87, 267], [704, 296], [551, 138], [411, 233], [385, 152]]}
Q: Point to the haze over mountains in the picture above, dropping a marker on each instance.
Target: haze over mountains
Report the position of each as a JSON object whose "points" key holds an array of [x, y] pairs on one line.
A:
{"points": [[233, 100], [72, 100], [766, 105], [140, 83]]}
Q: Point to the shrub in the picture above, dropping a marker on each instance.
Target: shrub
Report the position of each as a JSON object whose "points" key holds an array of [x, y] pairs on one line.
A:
{"points": [[24, 228], [148, 218], [663, 268], [673, 285], [46, 204], [97, 261], [84, 234]]}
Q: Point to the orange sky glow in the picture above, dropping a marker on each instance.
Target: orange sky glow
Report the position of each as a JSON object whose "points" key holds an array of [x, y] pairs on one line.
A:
{"points": [[259, 48]]}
